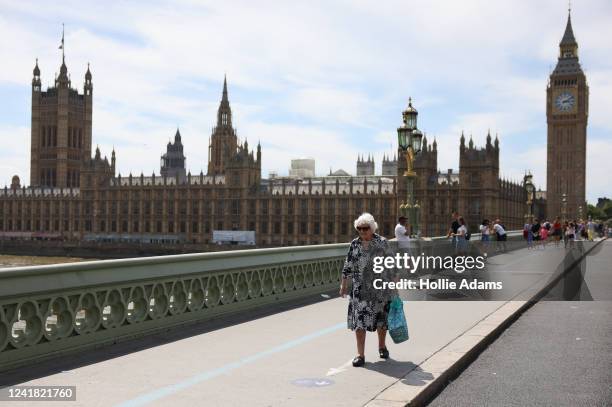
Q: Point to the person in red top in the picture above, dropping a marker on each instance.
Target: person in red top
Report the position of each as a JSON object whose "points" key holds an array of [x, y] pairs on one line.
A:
{"points": [[557, 231]]}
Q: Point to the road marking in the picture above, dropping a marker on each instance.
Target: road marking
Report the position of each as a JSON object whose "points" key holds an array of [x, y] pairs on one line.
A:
{"points": [[209, 374], [335, 370]]}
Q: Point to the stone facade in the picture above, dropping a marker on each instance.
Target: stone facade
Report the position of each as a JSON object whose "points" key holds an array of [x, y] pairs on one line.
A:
{"points": [[179, 208]]}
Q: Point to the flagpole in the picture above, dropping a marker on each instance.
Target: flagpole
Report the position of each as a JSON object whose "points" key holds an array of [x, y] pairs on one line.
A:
{"points": [[62, 46]]}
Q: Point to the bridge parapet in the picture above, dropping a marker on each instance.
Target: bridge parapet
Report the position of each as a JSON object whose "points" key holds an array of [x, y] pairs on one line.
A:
{"points": [[49, 310], [46, 311]]}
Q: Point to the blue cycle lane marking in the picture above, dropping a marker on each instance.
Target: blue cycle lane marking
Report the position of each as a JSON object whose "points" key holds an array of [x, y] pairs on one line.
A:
{"points": [[209, 374]]}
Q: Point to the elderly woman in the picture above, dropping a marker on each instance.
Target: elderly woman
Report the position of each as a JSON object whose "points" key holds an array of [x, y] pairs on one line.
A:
{"points": [[368, 306]]}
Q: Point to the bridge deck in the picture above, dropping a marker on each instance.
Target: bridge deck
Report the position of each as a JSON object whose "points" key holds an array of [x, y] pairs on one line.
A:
{"points": [[260, 362]]}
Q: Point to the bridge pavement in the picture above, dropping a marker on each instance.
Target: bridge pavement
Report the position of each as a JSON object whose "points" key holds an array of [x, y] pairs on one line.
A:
{"points": [[268, 361], [569, 362]]}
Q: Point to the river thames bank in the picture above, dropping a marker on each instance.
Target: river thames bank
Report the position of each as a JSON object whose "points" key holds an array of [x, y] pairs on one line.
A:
{"points": [[7, 260]]}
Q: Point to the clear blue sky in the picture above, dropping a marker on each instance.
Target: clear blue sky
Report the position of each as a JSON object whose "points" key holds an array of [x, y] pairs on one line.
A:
{"points": [[321, 79]]}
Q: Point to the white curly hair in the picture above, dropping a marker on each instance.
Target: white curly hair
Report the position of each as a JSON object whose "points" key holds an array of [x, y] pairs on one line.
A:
{"points": [[366, 219]]}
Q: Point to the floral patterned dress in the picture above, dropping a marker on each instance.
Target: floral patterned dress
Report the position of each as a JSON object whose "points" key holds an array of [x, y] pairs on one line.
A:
{"points": [[368, 307]]}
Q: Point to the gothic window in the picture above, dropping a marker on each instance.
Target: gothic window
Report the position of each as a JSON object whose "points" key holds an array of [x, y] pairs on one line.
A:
{"points": [[264, 207], [43, 135], [303, 228], [475, 207], [359, 207], [290, 228], [372, 205], [344, 228], [330, 228], [290, 207], [194, 208]]}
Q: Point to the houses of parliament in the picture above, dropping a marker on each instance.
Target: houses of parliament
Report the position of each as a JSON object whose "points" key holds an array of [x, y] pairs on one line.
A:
{"points": [[76, 195]]}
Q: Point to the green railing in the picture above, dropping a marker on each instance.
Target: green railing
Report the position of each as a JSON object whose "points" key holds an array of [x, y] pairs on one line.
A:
{"points": [[47, 311]]}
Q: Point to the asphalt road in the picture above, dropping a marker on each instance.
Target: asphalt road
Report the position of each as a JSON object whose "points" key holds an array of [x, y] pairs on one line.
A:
{"points": [[559, 353]]}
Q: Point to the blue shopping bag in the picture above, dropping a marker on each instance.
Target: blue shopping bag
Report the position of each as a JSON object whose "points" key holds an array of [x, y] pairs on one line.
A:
{"points": [[396, 321]]}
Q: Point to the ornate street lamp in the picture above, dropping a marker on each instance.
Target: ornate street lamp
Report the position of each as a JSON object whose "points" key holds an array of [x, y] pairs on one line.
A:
{"points": [[409, 139], [529, 188]]}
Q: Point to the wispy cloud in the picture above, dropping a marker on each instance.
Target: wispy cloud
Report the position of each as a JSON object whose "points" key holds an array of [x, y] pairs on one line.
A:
{"points": [[322, 79]]}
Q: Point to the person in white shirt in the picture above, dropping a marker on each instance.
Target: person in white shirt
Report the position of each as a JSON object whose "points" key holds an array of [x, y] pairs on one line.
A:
{"points": [[402, 234], [461, 235], [500, 232], [485, 232]]}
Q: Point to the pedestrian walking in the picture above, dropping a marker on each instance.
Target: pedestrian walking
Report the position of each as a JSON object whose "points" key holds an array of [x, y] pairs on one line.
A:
{"points": [[461, 235], [557, 231], [452, 232], [485, 235], [501, 236], [368, 307], [543, 236], [535, 230], [528, 234]]}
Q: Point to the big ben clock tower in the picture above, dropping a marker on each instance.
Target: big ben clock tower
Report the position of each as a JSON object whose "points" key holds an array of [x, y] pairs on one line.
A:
{"points": [[567, 108]]}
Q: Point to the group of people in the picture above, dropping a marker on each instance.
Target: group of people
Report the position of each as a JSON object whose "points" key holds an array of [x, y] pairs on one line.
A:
{"points": [[538, 233], [368, 307], [460, 234]]}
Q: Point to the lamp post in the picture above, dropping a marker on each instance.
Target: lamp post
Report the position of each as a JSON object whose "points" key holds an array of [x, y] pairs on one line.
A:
{"points": [[529, 188], [409, 139]]}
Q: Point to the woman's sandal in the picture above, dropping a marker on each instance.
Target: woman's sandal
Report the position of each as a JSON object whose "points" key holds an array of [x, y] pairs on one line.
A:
{"points": [[358, 361], [383, 353]]}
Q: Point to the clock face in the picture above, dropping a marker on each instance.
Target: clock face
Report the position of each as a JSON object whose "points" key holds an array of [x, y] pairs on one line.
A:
{"points": [[565, 102]]}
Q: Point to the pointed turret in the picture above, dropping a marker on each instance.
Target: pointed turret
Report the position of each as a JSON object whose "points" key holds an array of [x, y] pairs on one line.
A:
{"points": [[224, 114], [462, 141], [36, 77], [496, 142], [471, 143], [113, 159], [489, 138], [88, 87], [435, 145], [36, 71], [568, 35]]}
